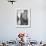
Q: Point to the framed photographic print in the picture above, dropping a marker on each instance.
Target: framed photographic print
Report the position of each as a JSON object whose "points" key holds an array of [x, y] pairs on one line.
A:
{"points": [[23, 18]]}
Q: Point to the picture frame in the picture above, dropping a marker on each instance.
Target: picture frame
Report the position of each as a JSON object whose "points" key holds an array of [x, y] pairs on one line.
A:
{"points": [[23, 18]]}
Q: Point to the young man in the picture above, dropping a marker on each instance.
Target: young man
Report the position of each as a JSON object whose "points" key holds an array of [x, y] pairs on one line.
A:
{"points": [[24, 18]]}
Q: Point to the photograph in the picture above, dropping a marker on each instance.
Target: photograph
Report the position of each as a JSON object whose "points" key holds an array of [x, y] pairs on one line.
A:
{"points": [[23, 18]]}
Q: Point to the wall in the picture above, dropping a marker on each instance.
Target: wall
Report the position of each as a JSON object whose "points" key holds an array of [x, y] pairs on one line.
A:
{"points": [[8, 28]]}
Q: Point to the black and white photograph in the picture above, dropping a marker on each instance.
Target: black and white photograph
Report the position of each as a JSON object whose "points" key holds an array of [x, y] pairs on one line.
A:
{"points": [[23, 18]]}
